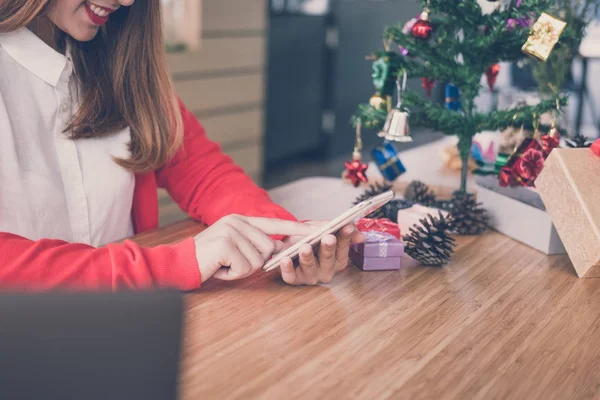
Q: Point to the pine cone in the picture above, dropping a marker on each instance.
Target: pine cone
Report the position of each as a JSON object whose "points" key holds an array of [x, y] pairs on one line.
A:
{"points": [[420, 193], [374, 190], [430, 242], [578, 141], [469, 218], [390, 210], [443, 204]]}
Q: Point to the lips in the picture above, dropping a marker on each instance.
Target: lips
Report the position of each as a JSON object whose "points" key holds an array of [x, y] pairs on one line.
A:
{"points": [[98, 15]]}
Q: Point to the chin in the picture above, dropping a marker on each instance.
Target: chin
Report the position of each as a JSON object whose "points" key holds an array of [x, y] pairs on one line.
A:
{"points": [[84, 35]]}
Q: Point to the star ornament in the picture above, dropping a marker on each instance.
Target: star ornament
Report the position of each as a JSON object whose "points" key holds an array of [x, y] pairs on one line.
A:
{"points": [[355, 172]]}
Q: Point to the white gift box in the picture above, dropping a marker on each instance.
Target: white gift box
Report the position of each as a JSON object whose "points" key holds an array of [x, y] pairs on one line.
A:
{"points": [[520, 216], [413, 216]]}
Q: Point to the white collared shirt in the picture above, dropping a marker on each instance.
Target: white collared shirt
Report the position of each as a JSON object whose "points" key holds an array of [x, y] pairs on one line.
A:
{"points": [[51, 186]]}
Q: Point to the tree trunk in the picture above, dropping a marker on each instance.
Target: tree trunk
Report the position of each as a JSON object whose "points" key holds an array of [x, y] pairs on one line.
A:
{"points": [[465, 142]]}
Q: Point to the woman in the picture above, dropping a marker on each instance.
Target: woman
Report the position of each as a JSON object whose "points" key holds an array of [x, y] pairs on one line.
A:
{"points": [[89, 127]]}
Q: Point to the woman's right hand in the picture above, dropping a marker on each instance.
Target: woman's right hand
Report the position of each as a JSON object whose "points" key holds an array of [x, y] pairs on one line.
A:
{"points": [[236, 246]]}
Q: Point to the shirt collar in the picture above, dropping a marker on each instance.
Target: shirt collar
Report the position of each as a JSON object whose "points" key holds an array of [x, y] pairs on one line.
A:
{"points": [[34, 55]]}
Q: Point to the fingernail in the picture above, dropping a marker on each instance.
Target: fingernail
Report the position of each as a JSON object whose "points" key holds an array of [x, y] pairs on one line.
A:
{"points": [[330, 242], [306, 249]]}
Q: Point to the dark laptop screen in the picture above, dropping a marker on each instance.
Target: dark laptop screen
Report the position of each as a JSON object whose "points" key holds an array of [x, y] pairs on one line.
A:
{"points": [[90, 346]]}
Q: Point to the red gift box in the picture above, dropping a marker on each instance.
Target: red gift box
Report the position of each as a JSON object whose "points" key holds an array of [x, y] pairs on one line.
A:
{"points": [[379, 225]]}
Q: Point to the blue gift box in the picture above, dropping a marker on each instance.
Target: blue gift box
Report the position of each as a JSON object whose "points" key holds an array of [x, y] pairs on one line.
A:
{"points": [[386, 157], [453, 98]]}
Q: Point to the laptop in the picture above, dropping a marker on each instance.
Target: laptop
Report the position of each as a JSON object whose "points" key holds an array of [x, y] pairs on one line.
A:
{"points": [[90, 346]]}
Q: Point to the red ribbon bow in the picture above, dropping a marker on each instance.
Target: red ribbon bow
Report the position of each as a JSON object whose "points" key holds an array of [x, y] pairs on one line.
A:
{"points": [[378, 225]]}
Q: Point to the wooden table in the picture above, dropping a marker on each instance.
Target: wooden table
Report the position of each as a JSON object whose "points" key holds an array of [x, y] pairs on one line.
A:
{"points": [[501, 321]]}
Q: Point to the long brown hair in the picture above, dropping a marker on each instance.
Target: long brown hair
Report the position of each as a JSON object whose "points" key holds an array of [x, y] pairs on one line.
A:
{"points": [[123, 78]]}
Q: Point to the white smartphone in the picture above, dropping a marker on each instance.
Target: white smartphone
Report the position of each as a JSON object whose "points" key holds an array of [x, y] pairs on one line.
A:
{"points": [[354, 214]]}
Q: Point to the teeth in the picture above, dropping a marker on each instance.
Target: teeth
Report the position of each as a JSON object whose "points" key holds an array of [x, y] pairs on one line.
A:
{"points": [[98, 11]]}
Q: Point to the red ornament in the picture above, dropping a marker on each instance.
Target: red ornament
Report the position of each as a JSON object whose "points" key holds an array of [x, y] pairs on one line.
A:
{"points": [[532, 164], [491, 73], [428, 85], [422, 29], [355, 171], [595, 147], [378, 225]]}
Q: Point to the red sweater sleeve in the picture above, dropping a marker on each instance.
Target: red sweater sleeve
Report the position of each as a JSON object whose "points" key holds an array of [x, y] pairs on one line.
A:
{"points": [[206, 183], [52, 264], [200, 178]]}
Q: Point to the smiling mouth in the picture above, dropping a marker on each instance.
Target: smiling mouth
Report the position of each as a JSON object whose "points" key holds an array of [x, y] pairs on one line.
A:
{"points": [[98, 14]]}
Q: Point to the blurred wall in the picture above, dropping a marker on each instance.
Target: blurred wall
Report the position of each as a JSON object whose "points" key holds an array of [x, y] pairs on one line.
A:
{"points": [[223, 84]]}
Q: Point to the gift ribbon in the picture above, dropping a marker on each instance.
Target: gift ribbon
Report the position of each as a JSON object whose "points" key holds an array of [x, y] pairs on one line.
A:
{"points": [[392, 160], [545, 33], [382, 238], [383, 225]]}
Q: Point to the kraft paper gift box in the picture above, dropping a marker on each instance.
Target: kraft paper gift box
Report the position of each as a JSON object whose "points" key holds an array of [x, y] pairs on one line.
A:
{"points": [[519, 213], [380, 252], [569, 185]]}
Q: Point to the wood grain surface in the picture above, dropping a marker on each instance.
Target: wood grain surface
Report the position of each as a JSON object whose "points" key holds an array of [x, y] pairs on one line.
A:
{"points": [[501, 321]]}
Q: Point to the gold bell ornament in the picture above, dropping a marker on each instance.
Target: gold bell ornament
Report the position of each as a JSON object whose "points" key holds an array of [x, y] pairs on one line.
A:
{"points": [[396, 128]]}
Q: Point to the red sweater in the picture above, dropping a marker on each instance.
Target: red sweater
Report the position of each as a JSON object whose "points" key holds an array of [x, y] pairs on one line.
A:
{"points": [[200, 178]]}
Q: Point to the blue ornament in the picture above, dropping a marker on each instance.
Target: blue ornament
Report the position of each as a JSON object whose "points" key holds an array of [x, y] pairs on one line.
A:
{"points": [[387, 160], [453, 98]]}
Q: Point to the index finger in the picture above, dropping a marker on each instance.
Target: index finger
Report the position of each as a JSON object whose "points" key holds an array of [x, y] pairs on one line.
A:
{"points": [[272, 226]]}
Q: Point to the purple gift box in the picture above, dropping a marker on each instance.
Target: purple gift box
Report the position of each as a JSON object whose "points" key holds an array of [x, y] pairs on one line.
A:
{"points": [[380, 251]]}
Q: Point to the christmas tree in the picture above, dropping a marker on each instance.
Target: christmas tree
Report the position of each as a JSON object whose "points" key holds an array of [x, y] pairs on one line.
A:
{"points": [[454, 43]]}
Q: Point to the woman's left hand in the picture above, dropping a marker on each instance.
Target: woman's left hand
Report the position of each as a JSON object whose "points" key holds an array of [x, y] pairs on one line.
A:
{"points": [[332, 257]]}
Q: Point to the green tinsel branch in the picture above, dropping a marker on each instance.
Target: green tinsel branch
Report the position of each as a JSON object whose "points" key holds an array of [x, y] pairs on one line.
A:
{"points": [[434, 116], [515, 117], [370, 117], [438, 48], [482, 49], [417, 68], [439, 118], [438, 59]]}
